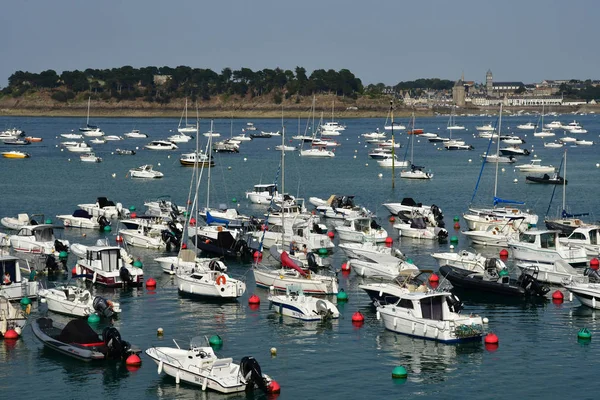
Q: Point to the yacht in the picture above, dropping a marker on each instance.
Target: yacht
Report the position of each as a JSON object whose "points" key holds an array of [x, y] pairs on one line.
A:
{"points": [[544, 247], [161, 145]]}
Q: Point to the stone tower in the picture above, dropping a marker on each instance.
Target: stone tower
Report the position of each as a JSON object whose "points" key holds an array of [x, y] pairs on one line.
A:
{"points": [[489, 82], [458, 93]]}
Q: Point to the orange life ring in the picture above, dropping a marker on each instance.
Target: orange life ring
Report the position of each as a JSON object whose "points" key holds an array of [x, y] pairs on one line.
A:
{"points": [[221, 280]]}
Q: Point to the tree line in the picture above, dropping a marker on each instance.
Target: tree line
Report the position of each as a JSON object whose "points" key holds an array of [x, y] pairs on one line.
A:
{"points": [[162, 84]]}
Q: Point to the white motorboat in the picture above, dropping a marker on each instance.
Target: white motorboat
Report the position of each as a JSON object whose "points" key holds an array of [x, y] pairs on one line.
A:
{"points": [[79, 147], [325, 142], [214, 283], [71, 135], [371, 252], [567, 139], [104, 207], [457, 145], [294, 303], [556, 273], [514, 151], [263, 193], [161, 145], [429, 135], [98, 141], [487, 135], [586, 236], [21, 220], [249, 127], [527, 126], [14, 285], [338, 207], [200, 366], [196, 159], [145, 171], [544, 134], [586, 289], [389, 144], [242, 137], [584, 143], [430, 315], [468, 261], [179, 138], [112, 138], [554, 125], [386, 270], [511, 140], [497, 233], [479, 219], [394, 126], [135, 134], [389, 292], [361, 229], [187, 260], [211, 132], [97, 132], [485, 128], [109, 266], [77, 301], [380, 153], [390, 162], [374, 135], [83, 219], [416, 172], [11, 317], [553, 145], [90, 157], [408, 206], [150, 237], [416, 228], [578, 130], [38, 239], [494, 158], [280, 147], [572, 126], [319, 151], [543, 246], [291, 273], [535, 165]]}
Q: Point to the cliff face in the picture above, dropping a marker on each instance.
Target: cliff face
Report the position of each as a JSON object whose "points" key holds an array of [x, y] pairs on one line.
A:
{"points": [[41, 104]]}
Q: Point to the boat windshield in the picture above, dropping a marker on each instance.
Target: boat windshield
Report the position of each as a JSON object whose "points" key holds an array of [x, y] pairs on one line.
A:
{"points": [[594, 236], [526, 238], [547, 240], [431, 308], [44, 235]]}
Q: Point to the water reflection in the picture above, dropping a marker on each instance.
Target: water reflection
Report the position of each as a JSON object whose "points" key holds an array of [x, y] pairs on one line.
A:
{"points": [[428, 360]]}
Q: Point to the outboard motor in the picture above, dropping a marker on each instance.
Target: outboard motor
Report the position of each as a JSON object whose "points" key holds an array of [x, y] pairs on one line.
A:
{"points": [[51, 264], [103, 222], [312, 261], [215, 266], [170, 239], [60, 246], [125, 275], [101, 305], [323, 310], [117, 348], [454, 303], [252, 374], [241, 248], [441, 233]]}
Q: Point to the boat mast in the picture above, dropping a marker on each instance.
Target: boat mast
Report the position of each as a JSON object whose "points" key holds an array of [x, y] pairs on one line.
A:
{"points": [[497, 150], [282, 182], [87, 123], [412, 141], [393, 145], [565, 181], [209, 147]]}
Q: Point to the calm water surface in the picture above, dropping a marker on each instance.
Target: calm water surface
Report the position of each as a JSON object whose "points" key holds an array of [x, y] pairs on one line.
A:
{"points": [[538, 357]]}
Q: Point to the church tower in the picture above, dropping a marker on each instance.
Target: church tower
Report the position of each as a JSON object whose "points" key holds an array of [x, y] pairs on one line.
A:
{"points": [[489, 82]]}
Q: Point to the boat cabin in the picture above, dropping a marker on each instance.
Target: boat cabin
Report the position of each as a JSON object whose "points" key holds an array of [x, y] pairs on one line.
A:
{"points": [[109, 258], [363, 224], [9, 265], [541, 239], [431, 306], [40, 233], [271, 189]]}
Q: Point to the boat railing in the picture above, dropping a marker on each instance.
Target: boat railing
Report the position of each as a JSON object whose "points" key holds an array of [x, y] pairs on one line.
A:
{"points": [[168, 358]]}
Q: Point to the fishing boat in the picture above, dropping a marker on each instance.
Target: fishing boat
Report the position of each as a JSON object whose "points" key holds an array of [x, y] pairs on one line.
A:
{"points": [[585, 236], [543, 246], [14, 285], [11, 317], [294, 303], [78, 340], [291, 273], [495, 282], [76, 301], [199, 366], [430, 315], [15, 154], [109, 266], [145, 171], [38, 239], [161, 145], [198, 159], [83, 219]]}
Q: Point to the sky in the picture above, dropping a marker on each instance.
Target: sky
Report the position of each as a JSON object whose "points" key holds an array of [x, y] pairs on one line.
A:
{"points": [[379, 41]]}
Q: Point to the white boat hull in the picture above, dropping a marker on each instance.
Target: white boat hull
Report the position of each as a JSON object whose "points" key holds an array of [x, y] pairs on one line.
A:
{"points": [[279, 280]]}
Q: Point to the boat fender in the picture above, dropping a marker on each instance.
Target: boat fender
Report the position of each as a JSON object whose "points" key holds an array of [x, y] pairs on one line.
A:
{"points": [[221, 280]]}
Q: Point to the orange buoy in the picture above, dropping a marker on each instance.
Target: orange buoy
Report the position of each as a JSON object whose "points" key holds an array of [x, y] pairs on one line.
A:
{"points": [[594, 263], [133, 215], [151, 283], [74, 271], [184, 246], [392, 219], [358, 317], [503, 253], [257, 255], [254, 299], [11, 334], [133, 360], [273, 387], [119, 239], [346, 267], [192, 221], [434, 278], [389, 240], [491, 338], [456, 225], [331, 234]]}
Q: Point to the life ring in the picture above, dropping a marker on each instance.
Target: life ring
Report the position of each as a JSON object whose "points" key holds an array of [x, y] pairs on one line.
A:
{"points": [[221, 280]]}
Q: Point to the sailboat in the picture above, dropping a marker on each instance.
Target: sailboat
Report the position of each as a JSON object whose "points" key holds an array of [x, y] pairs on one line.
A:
{"points": [[90, 130], [544, 132], [187, 128], [415, 171], [316, 150], [211, 133], [566, 223], [482, 218], [332, 128], [452, 126]]}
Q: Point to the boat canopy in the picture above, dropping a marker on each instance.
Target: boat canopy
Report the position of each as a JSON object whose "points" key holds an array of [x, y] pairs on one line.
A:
{"points": [[565, 214], [498, 200]]}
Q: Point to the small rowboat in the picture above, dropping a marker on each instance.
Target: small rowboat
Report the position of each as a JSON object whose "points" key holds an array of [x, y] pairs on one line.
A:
{"points": [[32, 139]]}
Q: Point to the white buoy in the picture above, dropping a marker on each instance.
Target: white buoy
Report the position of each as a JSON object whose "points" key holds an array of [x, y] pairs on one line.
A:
{"points": [[516, 180], [354, 156], [470, 160], [380, 175], [356, 151], [158, 164], [503, 170], [597, 165], [485, 320], [114, 175], [273, 351], [366, 164], [62, 149], [535, 156], [245, 159], [451, 247], [366, 146], [137, 148], [229, 167], [169, 156]]}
